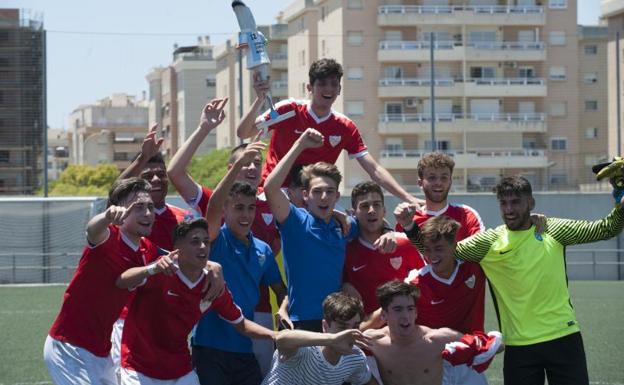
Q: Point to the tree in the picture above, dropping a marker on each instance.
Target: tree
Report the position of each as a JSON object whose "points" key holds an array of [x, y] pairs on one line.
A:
{"points": [[85, 180], [209, 169]]}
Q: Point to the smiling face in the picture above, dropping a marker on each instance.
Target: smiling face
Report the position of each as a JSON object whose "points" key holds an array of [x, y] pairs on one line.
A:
{"points": [[516, 210], [401, 315], [324, 92], [370, 212], [156, 175], [239, 212], [321, 197], [141, 217], [194, 249], [436, 183], [439, 254]]}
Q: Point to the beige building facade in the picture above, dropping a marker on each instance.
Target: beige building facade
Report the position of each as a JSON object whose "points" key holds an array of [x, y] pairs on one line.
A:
{"points": [[612, 13]]}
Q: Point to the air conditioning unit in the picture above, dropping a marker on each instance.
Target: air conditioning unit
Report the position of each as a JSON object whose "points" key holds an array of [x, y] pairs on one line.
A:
{"points": [[411, 102], [510, 64]]}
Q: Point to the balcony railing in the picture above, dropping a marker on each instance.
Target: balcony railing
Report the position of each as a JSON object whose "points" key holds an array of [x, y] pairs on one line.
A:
{"points": [[411, 82], [507, 117], [508, 45], [417, 118], [450, 117], [480, 152], [419, 44], [279, 56], [447, 9], [506, 81]]}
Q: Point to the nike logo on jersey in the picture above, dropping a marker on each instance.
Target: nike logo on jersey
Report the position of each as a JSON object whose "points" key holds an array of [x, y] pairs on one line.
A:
{"points": [[169, 292], [470, 282], [436, 302], [504, 252], [358, 268]]}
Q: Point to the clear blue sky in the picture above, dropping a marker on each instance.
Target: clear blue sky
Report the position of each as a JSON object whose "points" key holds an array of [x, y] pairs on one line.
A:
{"points": [[96, 48]]}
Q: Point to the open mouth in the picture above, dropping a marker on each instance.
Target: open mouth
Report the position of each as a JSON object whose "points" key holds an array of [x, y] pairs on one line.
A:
{"points": [[327, 97], [244, 223], [201, 256], [405, 325]]}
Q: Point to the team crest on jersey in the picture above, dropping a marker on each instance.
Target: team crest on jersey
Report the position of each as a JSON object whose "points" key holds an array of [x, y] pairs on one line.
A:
{"points": [[334, 140], [204, 304], [470, 282], [261, 259], [396, 262], [267, 218]]}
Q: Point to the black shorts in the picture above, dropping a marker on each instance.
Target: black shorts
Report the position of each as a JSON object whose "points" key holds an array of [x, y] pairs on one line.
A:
{"points": [[561, 360], [218, 367]]}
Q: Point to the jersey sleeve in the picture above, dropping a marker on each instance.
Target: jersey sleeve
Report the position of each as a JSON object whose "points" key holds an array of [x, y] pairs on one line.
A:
{"points": [[200, 201], [574, 232], [415, 260], [361, 372], [294, 221], [473, 223], [226, 308], [354, 231], [281, 107], [355, 145], [271, 270]]}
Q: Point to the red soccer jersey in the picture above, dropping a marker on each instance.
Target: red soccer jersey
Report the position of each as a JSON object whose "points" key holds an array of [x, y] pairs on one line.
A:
{"points": [[456, 303], [155, 337], [165, 221], [467, 217], [92, 302], [263, 228], [367, 269], [340, 134]]}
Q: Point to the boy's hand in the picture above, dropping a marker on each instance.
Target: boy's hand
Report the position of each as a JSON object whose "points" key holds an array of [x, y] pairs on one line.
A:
{"points": [[262, 87], [212, 115], [252, 151], [343, 342], [404, 214], [166, 264], [387, 243], [540, 221], [214, 281], [311, 138], [116, 214], [151, 146]]}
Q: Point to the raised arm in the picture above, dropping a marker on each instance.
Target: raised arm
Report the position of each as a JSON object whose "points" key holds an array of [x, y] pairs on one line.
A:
{"points": [[278, 201], [97, 227], [149, 148], [212, 115], [289, 341], [573, 232], [381, 176], [253, 330], [214, 213], [247, 126]]}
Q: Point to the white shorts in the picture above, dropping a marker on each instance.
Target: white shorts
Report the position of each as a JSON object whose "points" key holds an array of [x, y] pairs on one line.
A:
{"points": [[71, 365], [263, 348], [372, 364], [130, 377], [461, 375], [116, 346]]}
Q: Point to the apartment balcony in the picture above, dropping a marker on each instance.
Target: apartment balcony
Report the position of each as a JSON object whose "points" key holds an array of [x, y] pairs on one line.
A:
{"points": [[420, 124], [418, 87], [279, 61], [279, 88], [414, 15], [505, 87], [470, 159], [505, 51], [410, 51]]}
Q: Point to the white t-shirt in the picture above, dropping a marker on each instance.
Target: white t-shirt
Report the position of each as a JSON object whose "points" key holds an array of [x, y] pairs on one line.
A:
{"points": [[309, 366]]}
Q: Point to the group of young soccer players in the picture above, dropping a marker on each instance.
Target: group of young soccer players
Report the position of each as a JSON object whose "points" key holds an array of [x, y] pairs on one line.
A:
{"points": [[361, 304]]}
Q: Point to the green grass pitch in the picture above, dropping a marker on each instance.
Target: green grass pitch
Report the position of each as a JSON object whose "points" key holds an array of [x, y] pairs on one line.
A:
{"points": [[26, 314]]}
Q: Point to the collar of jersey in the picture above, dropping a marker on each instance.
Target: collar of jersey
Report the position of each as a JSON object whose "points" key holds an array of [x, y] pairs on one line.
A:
{"points": [[439, 212], [366, 243], [187, 281], [315, 117], [235, 241], [451, 278], [128, 242], [160, 211]]}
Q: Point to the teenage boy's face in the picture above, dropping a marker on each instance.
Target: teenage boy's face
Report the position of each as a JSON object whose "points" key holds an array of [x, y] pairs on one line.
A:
{"points": [[321, 197], [370, 212], [516, 211], [252, 172], [193, 249], [141, 217], [436, 183], [439, 254], [401, 315], [156, 175], [295, 195], [239, 213], [325, 91], [337, 326]]}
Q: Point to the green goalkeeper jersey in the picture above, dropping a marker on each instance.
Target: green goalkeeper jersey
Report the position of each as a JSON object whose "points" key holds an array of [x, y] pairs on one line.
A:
{"points": [[527, 273]]}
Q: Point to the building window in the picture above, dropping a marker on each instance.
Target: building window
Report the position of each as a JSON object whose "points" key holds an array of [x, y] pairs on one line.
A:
{"points": [[4, 156], [558, 179], [355, 108], [591, 49], [441, 145], [355, 4], [557, 38], [557, 109], [121, 156], [211, 82], [558, 144], [393, 72], [557, 4], [355, 38], [355, 73], [302, 58], [591, 105], [557, 73], [591, 133], [590, 77]]}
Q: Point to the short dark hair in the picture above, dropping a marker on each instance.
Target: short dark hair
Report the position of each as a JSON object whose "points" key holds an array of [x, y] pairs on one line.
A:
{"points": [[434, 160], [295, 177], [342, 307], [184, 227], [395, 288], [320, 169], [156, 158], [513, 185], [440, 227], [324, 68], [364, 188], [123, 188], [242, 188]]}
